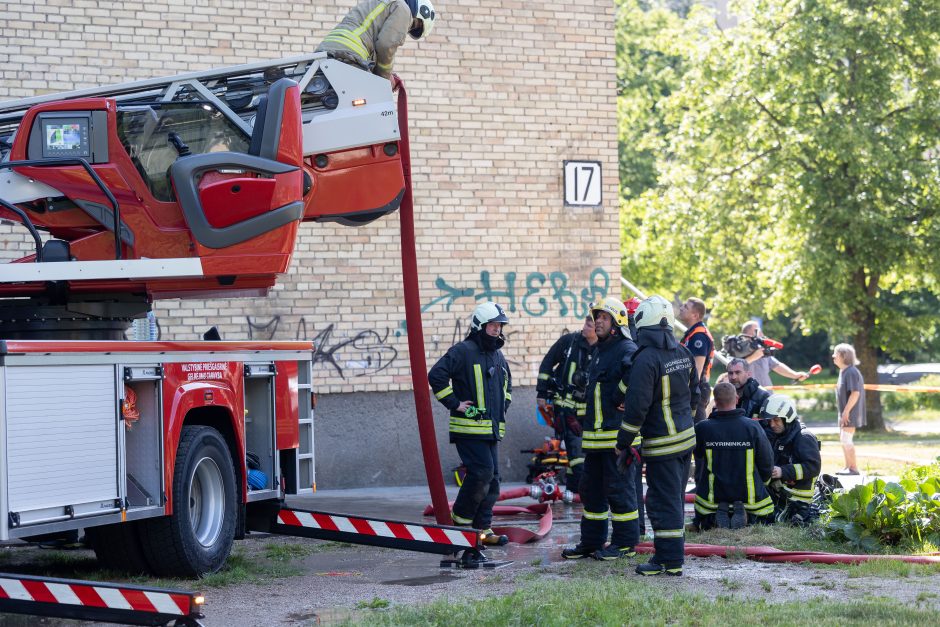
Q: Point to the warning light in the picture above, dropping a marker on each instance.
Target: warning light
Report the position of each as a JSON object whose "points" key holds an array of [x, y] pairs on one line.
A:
{"points": [[358, 102], [199, 600]]}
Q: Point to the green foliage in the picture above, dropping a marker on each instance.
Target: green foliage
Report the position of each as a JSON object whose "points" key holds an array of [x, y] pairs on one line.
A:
{"points": [[919, 474], [375, 604], [796, 169], [913, 401], [877, 513]]}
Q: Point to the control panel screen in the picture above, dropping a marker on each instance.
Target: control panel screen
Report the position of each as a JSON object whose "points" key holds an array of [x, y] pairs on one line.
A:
{"points": [[66, 137]]}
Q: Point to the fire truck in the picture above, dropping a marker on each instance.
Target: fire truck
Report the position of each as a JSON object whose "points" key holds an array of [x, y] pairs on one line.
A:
{"points": [[190, 186]]}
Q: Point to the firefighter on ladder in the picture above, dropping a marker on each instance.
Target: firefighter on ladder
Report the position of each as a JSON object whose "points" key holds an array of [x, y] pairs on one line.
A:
{"points": [[473, 381], [372, 31], [606, 492], [661, 395]]}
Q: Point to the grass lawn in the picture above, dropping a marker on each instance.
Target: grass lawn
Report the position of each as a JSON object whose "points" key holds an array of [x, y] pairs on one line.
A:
{"points": [[626, 599]]}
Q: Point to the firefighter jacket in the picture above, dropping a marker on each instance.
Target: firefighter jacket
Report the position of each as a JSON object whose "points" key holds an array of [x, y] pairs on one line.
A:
{"points": [[469, 373], [751, 398], [734, 461], [372, 30], [569, 355], [796, 451], [603, 414], [661, 394]]}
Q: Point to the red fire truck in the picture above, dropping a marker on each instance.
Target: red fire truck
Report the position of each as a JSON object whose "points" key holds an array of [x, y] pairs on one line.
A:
{"points": [[189, 186]]}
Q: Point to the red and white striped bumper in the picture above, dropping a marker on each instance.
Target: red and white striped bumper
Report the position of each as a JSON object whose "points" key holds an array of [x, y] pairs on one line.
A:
{"points": [[45, 596], [376, 532]]}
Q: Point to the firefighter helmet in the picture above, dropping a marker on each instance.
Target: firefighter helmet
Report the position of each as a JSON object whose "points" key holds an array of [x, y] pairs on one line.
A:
{"points": [[424, 16], [613, 306], [779, 406], [486, 313], [655, 311]]}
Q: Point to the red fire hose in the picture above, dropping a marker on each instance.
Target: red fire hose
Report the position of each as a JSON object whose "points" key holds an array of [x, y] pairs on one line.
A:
{"points": [[770, 554]]}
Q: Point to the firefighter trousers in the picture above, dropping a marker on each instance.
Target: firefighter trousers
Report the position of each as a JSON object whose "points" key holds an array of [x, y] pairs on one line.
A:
{"points": [[575, 454], [665, 507], [608, 493], [480, 489]]}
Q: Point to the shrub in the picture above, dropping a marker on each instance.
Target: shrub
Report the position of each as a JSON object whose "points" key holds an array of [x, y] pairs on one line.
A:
{"points": [[878, 513], [912, 401]]}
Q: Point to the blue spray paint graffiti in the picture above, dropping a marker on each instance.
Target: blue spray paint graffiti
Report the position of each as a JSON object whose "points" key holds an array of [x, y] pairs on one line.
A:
{"points": [[542, 292]]}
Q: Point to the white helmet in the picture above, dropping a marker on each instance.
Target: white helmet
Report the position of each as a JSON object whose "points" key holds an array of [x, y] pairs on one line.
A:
{"points": [[779, 406], [423, 13], [655, 311], [485, 313]]}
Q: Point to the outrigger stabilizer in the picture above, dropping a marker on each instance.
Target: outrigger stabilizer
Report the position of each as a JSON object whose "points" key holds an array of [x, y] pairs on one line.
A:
{"points": [[98, 601]]}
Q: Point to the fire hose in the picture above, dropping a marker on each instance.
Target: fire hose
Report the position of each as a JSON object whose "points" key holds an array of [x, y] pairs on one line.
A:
{"points": [[518, 535], [770, 554]]}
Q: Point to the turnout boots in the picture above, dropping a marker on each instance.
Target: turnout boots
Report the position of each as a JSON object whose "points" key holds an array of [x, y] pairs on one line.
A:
{"points": [[655, 568], [492, 539], [613, 552], [735, 519], [578, 552]]}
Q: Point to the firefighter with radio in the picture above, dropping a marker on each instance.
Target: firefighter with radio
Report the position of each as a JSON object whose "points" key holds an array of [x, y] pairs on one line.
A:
{"points": [[563, 380], [473, 381], [797, 461], [661, 395], [606, 492]]}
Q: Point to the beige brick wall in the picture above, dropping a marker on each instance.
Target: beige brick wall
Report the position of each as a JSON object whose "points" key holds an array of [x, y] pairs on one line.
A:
{"points": [[501, 94]]}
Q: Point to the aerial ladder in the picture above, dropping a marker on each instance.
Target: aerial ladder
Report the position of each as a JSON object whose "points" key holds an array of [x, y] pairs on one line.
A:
{"points": [[187, 186]]}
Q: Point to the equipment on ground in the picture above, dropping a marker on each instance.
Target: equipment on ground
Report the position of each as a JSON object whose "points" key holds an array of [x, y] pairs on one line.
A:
{"points": [[188, 186], [550, 457]]}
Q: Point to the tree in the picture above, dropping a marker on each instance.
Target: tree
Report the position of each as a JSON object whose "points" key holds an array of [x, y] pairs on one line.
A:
{"points": [[801, 174]]}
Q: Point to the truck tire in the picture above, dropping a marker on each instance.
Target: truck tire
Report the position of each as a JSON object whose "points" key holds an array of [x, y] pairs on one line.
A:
{"points": [[197, 538], [118, 547]]}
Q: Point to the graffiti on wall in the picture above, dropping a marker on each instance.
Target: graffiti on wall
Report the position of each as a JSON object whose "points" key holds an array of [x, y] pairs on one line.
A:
{"points": [[368, 351], [538, 294]]}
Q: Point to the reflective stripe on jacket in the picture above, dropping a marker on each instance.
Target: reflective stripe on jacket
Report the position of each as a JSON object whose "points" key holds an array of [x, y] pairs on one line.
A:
{"points": [[468, 373], [796, 451], [661, 392], [602, 417], [734, 462], [372, 30], [569, 354]]}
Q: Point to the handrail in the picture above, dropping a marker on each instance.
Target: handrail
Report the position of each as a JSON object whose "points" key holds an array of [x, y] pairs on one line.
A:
{"points": [[39, 163], [28, 224]]}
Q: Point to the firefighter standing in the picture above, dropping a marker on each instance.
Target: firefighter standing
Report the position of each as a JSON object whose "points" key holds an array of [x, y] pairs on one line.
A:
{"points": [[661, 394], [735, 462], [698, 339], [563, 372], [605, 491], [372, 31], [473, 381], [796, 461]]}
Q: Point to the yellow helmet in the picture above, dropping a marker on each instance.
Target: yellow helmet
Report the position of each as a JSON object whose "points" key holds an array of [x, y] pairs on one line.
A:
{"points": [[613, 306]]}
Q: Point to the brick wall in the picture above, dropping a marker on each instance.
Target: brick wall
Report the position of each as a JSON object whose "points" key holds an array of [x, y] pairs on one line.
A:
{"points": [[501, 94]]}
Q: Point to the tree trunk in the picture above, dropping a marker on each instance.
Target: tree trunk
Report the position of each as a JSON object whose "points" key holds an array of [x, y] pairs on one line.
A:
{"points": [[868, 357]]}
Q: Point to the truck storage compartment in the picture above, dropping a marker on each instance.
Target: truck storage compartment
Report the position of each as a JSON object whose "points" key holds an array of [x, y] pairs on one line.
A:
{"points": [[142, 411], [60, 443], [259, 430]]}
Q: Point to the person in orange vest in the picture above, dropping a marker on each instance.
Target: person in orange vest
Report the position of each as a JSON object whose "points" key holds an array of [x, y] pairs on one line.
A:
{"points": [[698, 339]]}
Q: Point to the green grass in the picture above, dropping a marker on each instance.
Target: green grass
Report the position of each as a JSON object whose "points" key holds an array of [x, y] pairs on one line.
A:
{"points": [[290, 551], [375, 604], [884, 569], [626, 599]]}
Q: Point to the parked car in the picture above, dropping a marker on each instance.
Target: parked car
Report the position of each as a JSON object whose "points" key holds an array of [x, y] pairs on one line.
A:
{"points": [[900, 374]]}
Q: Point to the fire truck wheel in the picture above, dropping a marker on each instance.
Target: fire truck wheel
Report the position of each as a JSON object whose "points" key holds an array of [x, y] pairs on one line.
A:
{"points": [[197, 538], [117, 547]]}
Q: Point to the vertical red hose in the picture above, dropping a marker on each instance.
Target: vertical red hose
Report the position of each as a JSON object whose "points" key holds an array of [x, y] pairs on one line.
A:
{"points": [[419, 366]]}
